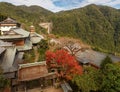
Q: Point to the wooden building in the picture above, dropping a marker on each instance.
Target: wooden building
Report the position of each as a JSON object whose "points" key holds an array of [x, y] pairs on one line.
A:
{"points": [[7, 24], [11, 32], [34, 71], [31, 71], [14, 42]]}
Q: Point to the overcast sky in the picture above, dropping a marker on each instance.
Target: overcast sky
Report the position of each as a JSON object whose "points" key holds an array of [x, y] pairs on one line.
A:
{"points": [[58, 5]]}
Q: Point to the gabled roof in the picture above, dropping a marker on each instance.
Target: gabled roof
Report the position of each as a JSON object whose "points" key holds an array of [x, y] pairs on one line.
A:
{"points": [[32, 64], [21, 31], [8, 21]]}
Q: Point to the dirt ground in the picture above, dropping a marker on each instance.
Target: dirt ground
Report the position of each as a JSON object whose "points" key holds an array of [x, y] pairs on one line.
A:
{"points": [[48, 89]]}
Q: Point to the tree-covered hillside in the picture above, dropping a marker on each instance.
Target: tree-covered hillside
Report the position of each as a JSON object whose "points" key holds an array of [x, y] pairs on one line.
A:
{"points": [[98, 26], [32, 15]]}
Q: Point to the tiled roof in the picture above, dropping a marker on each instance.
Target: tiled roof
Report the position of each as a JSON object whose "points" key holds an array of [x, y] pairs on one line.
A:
{"points": [[8, 60], [94, 57], [21, 33], [2, 43], [32, 64]]}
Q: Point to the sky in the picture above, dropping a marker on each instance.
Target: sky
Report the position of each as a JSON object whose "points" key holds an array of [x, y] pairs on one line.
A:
{"points": [[60, 5]]}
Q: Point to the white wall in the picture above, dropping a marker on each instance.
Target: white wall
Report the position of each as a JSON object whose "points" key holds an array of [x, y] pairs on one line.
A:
{"points": [[6, 28]]}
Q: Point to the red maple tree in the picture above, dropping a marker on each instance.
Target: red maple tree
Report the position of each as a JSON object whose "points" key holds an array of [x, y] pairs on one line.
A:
{"points": [[66, 64]]}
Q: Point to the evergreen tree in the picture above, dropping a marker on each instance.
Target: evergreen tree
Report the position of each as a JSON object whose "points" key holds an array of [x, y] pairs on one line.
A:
{"points": [[105, 61], [110, 78]]}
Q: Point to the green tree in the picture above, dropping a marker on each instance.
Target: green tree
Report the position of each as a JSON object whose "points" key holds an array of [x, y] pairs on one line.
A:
{"points": [[105, 61], [42, 48], [89, 81], [43, 44], [29, 56], [111, 78]]}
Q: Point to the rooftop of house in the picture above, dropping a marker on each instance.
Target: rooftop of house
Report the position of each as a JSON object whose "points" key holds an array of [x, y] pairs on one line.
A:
{"points": [[94, 57], [2, 49], [9, 70], [4, 44], [20, 33], [8, 60], [35, 37], [32, 64], [8, 21]]}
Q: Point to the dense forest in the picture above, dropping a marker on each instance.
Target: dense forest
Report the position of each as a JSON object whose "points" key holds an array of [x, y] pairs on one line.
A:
{"points": [[98, 26], [95, 25]]}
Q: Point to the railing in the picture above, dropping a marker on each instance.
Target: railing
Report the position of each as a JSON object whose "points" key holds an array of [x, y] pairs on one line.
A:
{"points": [[66, 87]]}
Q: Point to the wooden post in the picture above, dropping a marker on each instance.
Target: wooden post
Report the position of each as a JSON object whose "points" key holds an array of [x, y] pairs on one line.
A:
{"points": [[53, 82], [25, 87], [45, 82]]}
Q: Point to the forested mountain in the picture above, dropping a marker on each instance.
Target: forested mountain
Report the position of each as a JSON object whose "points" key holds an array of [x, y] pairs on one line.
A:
{"points": [[98, 26], [23, 14], [35, 9]]}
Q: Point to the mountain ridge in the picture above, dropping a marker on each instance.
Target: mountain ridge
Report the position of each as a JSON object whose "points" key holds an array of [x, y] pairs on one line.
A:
{"points": [[95, 25]]}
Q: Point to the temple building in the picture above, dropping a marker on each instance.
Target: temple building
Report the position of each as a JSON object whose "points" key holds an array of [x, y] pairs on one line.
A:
{"points": [[11, 32], [7, 24], [14, 42]]}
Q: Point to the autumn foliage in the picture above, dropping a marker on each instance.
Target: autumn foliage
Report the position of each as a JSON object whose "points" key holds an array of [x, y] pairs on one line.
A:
{"points": [[65, 63]]}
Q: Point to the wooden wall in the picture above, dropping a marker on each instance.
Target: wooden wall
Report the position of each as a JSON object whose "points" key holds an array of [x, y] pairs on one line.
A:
{"points": [[33, 72], [19, 42]]}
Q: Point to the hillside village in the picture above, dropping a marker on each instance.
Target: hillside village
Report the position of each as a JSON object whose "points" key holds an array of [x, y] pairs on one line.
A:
{"points": [[20, 64], [14, 42]]}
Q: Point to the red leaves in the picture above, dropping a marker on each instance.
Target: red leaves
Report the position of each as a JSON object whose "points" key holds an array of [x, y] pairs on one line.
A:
{"points": [[50, 56], [68, 64]]}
